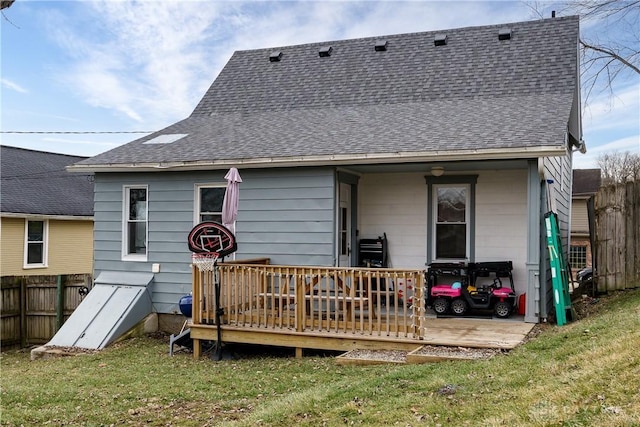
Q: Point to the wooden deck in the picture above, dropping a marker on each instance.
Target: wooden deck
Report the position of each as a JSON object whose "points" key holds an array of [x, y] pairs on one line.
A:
{"points": [[332, 308], [479, 333]]}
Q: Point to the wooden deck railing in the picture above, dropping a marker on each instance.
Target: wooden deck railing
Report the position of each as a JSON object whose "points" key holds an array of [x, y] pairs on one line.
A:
{"points": [[362, 301]]}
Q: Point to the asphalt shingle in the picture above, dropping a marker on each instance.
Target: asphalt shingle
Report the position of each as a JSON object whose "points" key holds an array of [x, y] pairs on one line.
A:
{"points": [[474, 93], [36, 182], [586, 182]]}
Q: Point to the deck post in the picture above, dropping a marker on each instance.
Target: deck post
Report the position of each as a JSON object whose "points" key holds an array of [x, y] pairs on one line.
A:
{"points": [[300, 308], [196, 307], [420, 320], [299, 305], [196, 348]]}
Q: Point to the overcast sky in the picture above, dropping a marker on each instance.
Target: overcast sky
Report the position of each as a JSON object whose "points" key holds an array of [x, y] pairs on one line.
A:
{"points": [[127, 66]]}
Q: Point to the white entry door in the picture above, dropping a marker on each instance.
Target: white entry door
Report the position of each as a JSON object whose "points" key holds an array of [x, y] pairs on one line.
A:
{"points": [[344, 226]]}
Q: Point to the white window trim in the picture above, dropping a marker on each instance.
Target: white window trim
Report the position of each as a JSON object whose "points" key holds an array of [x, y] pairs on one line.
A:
{"points": [[466, 222], [45, 244], [196, 199], [125, 221]]}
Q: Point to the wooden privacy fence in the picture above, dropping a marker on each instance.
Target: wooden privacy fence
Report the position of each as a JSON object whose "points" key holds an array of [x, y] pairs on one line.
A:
{"points": [[617, 251], [328, 300], [35, 307]]}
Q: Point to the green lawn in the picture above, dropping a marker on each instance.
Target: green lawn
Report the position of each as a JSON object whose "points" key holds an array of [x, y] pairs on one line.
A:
{"points": [[586, 373]]}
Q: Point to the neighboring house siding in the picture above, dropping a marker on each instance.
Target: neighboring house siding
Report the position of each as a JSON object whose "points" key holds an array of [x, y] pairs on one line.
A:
{"points": [[286, 215], [396, 204], [579, 218], [12, 256], [70, 248]]}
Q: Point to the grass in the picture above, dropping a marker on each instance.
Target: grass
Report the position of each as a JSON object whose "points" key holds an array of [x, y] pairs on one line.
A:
{"points": [[583, 374]]}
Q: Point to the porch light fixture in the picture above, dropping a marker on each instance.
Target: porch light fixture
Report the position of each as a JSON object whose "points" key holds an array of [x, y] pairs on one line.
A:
{"points": [[325, 51], [504, 34], [381, 45], [275, 56], [437, 171], [440, 40]]}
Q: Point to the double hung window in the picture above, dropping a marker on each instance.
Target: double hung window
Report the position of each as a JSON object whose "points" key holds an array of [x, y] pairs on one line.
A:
{"points": [[451, 221], [209, 200], [451, 218], [135, 223], [35, 250], [578, 257]]}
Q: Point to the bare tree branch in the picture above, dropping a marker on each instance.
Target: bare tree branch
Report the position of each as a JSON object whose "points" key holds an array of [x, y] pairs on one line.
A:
{"points": [[610, 50], [611, 53], [619, 167]]}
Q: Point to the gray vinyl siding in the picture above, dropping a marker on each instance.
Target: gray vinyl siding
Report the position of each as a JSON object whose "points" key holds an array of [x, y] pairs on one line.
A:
{"points": [[284, 214], [557, 169], [288, 215], [579, 218]]}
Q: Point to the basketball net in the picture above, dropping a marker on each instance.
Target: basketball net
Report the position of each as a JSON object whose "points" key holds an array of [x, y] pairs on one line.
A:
{"points": [[204, 261]]}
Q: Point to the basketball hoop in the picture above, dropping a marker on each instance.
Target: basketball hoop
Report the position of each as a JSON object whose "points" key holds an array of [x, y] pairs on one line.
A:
{"points": [[209, 241], [204, 261]]}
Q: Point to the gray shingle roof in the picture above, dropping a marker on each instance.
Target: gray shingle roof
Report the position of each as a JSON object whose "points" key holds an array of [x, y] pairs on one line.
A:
{"points": [[586, 182], [36, 182], [475, 93]]}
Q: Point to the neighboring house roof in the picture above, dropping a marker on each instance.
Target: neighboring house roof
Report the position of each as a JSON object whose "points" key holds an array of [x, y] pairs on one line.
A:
{"points": [[476, 97], [586, 182], [37, 183]]}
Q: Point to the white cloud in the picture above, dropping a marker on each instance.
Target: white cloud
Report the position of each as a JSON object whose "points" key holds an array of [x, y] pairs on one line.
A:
{"points": [[146, 64], [13, 86], [142, 60], [611, 124], [151, 62], [622, 109], [590, 159]]}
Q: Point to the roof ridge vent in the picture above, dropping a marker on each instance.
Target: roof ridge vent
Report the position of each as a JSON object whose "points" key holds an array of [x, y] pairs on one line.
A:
{"points": [[381, 45], [440, 39], [275, 56], [504, 33], [325, 51]]}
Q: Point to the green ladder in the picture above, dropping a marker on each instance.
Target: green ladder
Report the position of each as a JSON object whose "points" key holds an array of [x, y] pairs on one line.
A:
{"points": [[559, 271]]}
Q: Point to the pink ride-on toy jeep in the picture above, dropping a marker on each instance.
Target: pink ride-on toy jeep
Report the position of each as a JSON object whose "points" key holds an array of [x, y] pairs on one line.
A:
{"points": [[471, 294]]}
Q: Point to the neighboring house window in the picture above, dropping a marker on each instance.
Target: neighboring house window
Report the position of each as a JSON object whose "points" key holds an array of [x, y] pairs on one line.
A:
{"points": [[136, 218], [35, 251], [578, 257], [209, 203], [452, 218]]}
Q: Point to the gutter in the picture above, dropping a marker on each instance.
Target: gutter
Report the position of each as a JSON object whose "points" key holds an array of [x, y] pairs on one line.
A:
{"points": [[326, 160], [45, 216]]}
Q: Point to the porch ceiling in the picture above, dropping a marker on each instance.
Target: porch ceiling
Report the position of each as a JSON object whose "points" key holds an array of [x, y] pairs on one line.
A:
{"points": [[459, 166]]}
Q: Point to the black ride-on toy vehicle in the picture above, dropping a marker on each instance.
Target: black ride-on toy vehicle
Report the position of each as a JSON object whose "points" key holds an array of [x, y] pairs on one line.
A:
{"points": [[481, 289]]}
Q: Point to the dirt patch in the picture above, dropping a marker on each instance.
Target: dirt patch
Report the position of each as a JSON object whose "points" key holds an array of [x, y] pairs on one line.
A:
{"points": [[423, 354], [69, 351], [586, 306], [537, 329], [379, 355], [458, 352]]}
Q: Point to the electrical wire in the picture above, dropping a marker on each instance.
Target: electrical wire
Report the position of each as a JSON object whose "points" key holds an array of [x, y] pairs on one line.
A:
{"points": [[73, 132]]}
